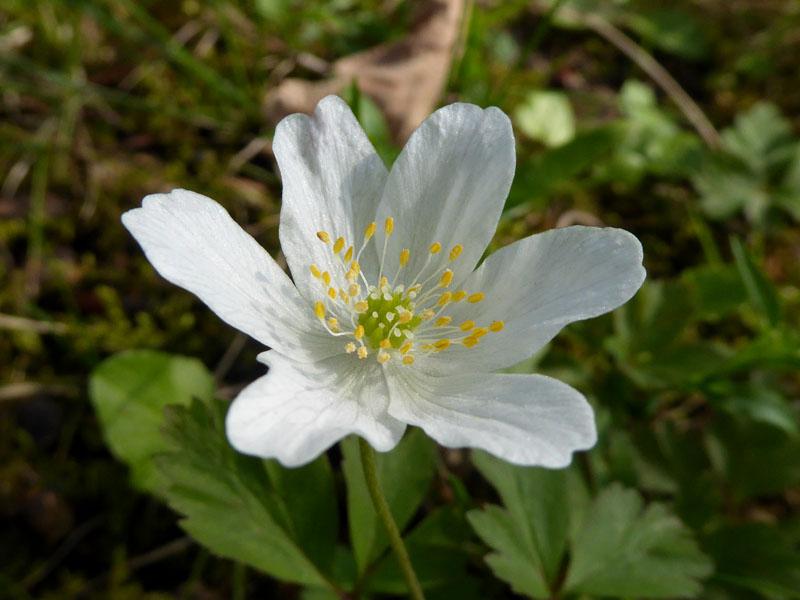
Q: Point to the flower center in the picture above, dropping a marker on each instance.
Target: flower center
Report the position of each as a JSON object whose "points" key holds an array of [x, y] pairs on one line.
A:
{"points": [[393, 320]]}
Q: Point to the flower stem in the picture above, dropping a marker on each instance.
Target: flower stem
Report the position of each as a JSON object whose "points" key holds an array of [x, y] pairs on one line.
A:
{"points": [[385, 515]]}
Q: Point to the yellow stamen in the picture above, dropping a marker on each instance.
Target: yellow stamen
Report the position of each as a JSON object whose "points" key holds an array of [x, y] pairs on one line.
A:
{"points": [[319, 310], [388, 226], [343, 295], [427, 314], [326, 277], [383, 357], [359, 332], [405, 317], [480, 332], [349, 254], [445, 298], [315, 271], [470, 341], [459, 296], [467, 325], [369, 231], [406, 348], [349, 347], [332, 293], [435, 248], [354, 289], [338, 245], [408, 359], [361, 306], [385, 344], [456, 252], [442, 344], [443, 321], [446, 279], [474, 298], [362, 352], [405, 254], [333, 323], [324, 236], [497, 326], [384, 281]]}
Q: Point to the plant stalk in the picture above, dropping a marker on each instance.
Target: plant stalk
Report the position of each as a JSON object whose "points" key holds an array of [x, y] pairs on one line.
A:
{"points": [[385, 515]]}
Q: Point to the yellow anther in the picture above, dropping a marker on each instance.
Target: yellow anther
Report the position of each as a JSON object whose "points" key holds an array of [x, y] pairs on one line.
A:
{"points": [[315, 271], [369, 231], [332, 293], [455, 252], [388, 226], [338, 245], [443, 321], [405, 317], [324, 236], [474, 298], [352, 274], [384, 281], [496, 326], [480, 332], [385, 344], [319, 310], [383, 357], [442, 344], [406, 348], [470, 341], [361, 306], [446, 279], [349, 254], [359, 332], [354, 289], [467, 325], [405, 254], [349, 347], [333, 323], [326, 277], [435, 248], [445, 298], [427, 314], [459, 296], [362, 352], [408, 359]]}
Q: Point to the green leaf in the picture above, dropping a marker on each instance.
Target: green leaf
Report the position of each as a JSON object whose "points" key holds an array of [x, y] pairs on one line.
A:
{"points": [[547, 117], [538, 513], [670, 29], [129, 392], [761, 137], [715, 290], [244, 508], [627, 550], [437, 550], [405, 474], [760, 289], [559, 167], [757, 558]]}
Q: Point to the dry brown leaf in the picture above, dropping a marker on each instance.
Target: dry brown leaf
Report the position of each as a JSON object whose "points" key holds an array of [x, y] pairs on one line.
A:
{"points": [[404, 78]]}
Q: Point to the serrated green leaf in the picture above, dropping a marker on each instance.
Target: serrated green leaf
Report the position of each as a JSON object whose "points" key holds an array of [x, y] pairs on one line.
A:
{"points": [[405, 474], [232, 503], [547, 117], [129, 392], [537, 504], [625, 549], [760, 289]]}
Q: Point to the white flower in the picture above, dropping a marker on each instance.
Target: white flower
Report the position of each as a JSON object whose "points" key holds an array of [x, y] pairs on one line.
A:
{"points": [[388, 322]]}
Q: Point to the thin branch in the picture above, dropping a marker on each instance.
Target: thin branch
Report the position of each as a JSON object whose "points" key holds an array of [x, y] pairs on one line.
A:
{"points": [[23, 324]]}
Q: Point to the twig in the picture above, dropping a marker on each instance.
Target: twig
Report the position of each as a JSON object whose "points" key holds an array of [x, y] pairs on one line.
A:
{"points": [[23, 324], [231, 354], [645, 61], [26, 389]]}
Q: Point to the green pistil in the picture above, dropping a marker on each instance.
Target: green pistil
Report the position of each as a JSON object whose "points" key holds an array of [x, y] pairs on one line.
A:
{"points": [[373, 332]]}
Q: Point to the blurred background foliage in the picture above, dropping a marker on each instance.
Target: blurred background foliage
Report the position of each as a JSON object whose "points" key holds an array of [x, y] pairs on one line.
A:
{"points": [[677, 121]]}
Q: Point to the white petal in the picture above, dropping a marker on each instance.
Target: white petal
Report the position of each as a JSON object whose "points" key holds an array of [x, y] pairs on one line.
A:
{"points": [[524, 419], [332, 181], [539, 284], [297, 411], [449, 185], [193, 242]]}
